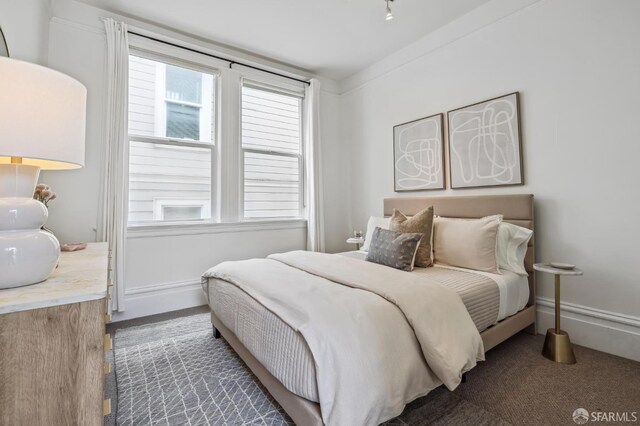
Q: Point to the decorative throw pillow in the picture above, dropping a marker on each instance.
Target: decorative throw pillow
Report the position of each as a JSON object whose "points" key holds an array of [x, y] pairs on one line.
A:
{"points": [[421, 223], [467, 243], [395, 249], [382, 222]]}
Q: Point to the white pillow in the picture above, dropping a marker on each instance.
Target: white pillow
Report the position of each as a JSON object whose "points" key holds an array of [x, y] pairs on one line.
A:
{"points": [[512, 247], [380, 222]]}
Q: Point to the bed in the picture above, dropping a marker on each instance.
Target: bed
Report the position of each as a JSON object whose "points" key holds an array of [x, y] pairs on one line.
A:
{"points": [[280, 356]]}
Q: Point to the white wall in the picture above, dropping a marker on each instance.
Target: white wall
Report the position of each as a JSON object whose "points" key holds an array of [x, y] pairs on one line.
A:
{"points": [[25, 24], [162, 271], [576, 65], [335, 175]]}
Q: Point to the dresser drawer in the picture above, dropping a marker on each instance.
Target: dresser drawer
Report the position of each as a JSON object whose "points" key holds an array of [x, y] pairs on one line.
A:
{"points": [[72, 337]]}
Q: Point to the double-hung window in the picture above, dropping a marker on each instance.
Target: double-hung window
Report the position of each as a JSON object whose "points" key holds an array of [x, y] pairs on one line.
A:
{"points": [[272, 152], [172, 112]]}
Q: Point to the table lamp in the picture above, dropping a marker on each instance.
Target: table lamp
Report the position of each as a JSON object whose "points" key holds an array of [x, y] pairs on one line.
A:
{"points": [[42, 126]]}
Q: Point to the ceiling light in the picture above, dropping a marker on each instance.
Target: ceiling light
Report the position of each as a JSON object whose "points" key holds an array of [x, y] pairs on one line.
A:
{"points": [[389, 14]]}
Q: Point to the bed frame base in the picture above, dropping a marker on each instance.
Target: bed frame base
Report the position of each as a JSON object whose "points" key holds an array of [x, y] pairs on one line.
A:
{"points": [[498, 333], [305, 412], [302, 411]]}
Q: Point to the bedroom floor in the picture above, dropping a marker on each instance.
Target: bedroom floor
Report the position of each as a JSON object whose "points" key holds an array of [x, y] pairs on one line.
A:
{"points": [[515, 385]]}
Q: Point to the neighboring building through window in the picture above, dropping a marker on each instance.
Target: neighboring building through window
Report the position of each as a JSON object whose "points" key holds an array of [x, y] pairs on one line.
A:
{"points": [[183, 102], [171, 128], [272, 153]]}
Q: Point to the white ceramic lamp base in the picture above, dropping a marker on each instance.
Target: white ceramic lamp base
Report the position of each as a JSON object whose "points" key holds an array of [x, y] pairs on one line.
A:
{"points": [[28, 255]]}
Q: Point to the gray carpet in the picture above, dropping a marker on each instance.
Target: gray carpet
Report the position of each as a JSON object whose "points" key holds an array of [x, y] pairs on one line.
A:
{"points": [[173, 373]]}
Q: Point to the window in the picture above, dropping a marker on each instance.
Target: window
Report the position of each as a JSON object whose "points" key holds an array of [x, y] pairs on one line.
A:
{"points": [[193, 159], [171, 134], [272, 152]]}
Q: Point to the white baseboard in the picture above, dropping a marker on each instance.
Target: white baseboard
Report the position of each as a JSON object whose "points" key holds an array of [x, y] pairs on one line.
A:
{"points": [[158, 299], [605, 331]]}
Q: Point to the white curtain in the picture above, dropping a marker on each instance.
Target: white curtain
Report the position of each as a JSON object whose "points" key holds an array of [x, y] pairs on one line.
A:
{"points": [[112, 226], [313, 177]]}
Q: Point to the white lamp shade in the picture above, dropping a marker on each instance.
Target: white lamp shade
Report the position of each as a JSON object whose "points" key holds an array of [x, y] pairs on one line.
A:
{"points": [[42, 116]]}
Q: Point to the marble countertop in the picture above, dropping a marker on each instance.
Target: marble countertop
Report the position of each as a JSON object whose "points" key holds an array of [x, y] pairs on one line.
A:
{"points": [[80, 276]]}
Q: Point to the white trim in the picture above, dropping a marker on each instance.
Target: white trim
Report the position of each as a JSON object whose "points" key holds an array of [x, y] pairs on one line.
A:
{"points": [[592, 312], [162, 52], [606, 331], [162, 287], [458, 29], [152, 230], [156, 299], [206, 108], [270, 86], [79, 26], [160, 109]]}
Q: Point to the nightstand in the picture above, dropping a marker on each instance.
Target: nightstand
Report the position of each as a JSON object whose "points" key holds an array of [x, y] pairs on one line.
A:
{"points": [[557, 346], [357, 241]]}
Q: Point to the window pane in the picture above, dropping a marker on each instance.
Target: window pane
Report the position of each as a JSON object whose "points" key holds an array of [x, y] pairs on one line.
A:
{"points": [[270, 120], [181, 212], [271, 185], [183, 121], [170, 101], [168, 182], [184, 85]]}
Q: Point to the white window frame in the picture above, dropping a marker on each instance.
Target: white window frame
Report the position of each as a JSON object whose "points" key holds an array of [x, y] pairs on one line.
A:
{"points": [[175, 59], [300, 156]]}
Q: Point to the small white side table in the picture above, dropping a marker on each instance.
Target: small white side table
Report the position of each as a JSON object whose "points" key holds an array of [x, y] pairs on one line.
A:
{"points": [[557, 346], [356, 241]]}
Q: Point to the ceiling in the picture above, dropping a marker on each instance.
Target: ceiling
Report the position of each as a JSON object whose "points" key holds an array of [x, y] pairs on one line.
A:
{"points": [[332, 38]]}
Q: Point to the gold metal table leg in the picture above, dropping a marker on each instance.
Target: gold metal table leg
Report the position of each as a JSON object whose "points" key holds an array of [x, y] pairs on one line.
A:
{"points": [[557, 346]]}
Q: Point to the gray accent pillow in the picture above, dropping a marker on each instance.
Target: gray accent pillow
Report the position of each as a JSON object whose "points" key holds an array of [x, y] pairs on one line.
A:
{"points": [[395, 249], [421, 222]]}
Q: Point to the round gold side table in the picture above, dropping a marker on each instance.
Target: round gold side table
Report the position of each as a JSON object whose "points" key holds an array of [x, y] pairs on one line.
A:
{"points": [[557, 346]]}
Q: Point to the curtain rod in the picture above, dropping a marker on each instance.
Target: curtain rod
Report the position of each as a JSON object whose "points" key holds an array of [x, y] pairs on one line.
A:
{"points": [[231, 62]]}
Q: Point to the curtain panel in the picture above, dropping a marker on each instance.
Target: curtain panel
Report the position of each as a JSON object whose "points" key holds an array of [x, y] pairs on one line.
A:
{"points": [[313, 168], [112, 226]]}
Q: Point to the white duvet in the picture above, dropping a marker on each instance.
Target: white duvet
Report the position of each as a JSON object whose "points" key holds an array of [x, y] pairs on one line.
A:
{"points": [[380, 337]]}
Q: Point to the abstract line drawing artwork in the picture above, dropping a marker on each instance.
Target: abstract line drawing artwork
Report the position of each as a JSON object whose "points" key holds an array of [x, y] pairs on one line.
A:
{"points": [[485, 147], [418, 154]]}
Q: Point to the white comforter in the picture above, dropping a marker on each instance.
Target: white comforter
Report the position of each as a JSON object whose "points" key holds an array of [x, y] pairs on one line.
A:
{"points": [[369, 354]]}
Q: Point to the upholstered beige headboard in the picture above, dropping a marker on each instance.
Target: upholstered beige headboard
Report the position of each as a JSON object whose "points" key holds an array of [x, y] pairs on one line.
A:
{"points": [[516, 209]]}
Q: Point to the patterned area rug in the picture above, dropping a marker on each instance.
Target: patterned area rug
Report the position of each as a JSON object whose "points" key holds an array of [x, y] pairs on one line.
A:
{"points": [[175, 373]]}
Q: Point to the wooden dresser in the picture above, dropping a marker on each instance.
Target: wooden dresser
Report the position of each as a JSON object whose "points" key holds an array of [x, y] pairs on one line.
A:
{"points": [[52, 343]]}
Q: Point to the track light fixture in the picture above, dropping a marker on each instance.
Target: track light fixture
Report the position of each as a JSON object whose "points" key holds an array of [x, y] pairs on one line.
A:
{"points": [[389, 14]]}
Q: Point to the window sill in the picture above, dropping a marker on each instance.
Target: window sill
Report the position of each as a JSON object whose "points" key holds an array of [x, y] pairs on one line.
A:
{"points": [[151, 230]]}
